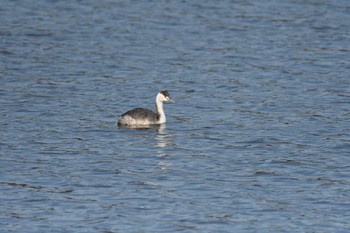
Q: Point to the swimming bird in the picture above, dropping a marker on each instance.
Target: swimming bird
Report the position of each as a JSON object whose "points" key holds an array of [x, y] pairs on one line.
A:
{"points": [[144, 117]]}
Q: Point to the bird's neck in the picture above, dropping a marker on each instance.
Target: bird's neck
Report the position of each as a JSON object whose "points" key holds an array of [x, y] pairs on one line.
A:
{"points": [[160, 112]]}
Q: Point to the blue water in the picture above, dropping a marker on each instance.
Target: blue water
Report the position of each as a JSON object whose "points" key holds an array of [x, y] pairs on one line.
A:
{"points": [[257, 141]]}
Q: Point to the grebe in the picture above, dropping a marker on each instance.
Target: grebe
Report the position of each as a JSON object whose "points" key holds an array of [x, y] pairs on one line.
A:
{"points": [[143, 117]]}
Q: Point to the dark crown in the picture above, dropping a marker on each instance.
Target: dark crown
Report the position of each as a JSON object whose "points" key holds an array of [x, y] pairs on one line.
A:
{"points": [[165, 93]]}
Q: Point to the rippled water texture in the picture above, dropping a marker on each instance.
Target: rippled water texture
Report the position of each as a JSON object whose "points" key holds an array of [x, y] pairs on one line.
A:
{"points": [[257, 141]]}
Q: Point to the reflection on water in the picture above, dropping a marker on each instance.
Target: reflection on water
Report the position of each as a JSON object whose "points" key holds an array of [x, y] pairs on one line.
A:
{"points": [[162, 137], [164, 140]]}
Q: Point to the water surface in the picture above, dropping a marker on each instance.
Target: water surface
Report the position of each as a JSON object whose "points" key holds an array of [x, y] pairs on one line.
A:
{"points": [[257, 141]]}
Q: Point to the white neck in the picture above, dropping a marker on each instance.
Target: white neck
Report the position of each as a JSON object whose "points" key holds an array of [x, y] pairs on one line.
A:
{"points": [[160, 110]]}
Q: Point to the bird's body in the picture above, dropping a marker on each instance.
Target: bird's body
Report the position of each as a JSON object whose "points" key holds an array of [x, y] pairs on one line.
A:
{"points": [[144, 117], [138, 116]]}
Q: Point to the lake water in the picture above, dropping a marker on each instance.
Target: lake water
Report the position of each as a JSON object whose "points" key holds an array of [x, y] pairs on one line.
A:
{"points": [[257, 141]]}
